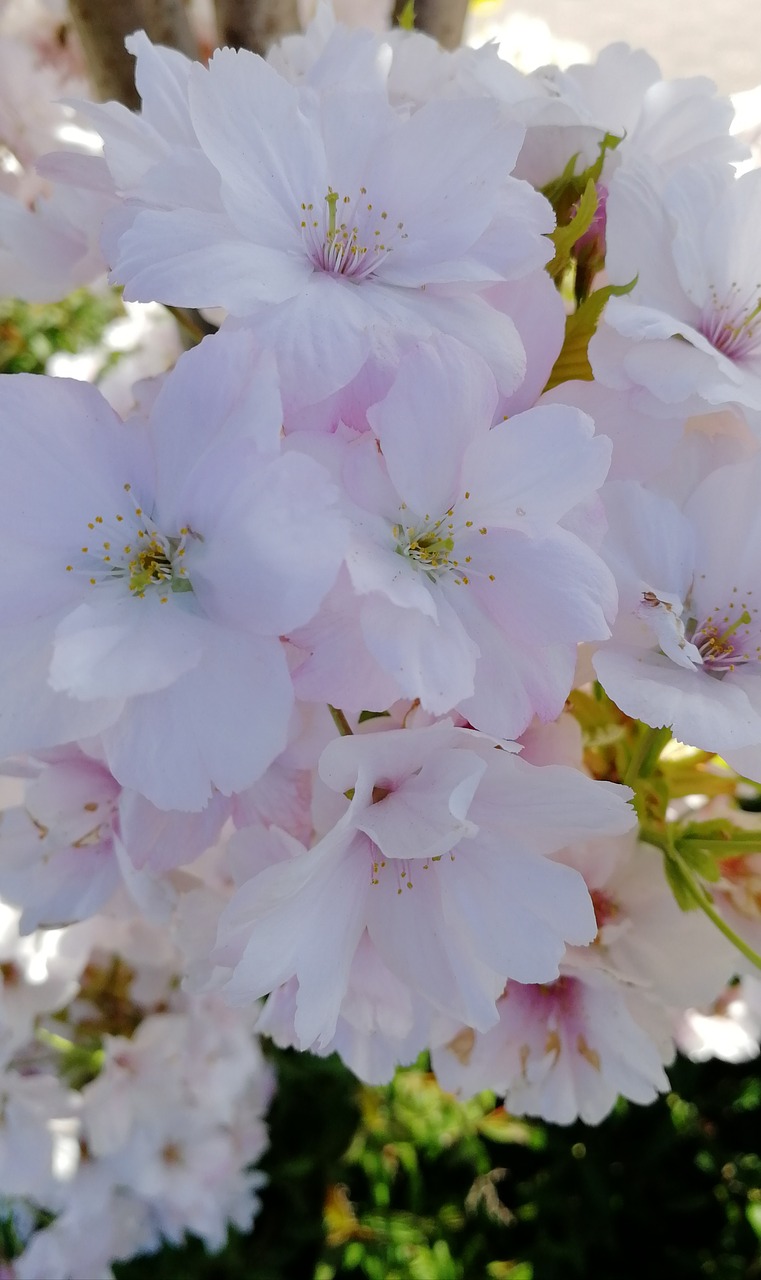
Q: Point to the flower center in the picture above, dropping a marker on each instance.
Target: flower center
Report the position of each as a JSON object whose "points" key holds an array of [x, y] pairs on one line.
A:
{"points": [[727, 638], [346, 236], [741, 882], [431, 544], [134, 549], [606, 908], [733, 327]]}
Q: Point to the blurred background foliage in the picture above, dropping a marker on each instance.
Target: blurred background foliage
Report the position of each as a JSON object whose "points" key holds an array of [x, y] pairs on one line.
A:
{"points": [[406, 1183], [30, 333]]}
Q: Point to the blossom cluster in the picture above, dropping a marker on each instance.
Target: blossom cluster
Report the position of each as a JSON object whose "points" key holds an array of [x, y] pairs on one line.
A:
{"points": [[341, 661], [132, 1111]]}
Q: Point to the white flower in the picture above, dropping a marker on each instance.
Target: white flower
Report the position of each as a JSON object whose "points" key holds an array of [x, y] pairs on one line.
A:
{"points": [[156, 568], [333, 244], [441, 856]]}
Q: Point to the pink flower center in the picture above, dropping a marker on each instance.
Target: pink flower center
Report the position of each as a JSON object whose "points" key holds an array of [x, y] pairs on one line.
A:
{"points": [[347, 236], [733, 326], [728, 638]]}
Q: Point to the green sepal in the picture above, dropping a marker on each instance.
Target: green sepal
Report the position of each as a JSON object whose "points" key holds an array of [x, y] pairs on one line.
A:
{"points": [[371, 715], [565, 191], [679, 883], [699, 860], [573, 361], [707, 844]]}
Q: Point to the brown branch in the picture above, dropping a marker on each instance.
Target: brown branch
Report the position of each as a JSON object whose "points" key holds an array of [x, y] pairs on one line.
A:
{"points": [[102, 26], [255, 24], [166, 22], [442, 19]]}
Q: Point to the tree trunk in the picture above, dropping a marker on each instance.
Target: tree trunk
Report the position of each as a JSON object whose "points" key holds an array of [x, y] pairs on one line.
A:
{"points": [[102, 26], [255, 24], [166, 22]]}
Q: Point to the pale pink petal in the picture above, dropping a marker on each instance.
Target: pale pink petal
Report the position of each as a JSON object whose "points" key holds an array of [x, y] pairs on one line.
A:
{"points": [[535, 467], [130, 646], [450, 395], [430, 660], [220, 725]]}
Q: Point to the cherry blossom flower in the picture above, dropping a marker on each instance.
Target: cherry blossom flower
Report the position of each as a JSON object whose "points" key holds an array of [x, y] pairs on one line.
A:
{"points": [[441, 855], [78, 836], [471, 593], [563, 1050], [668, 123], [333, 245], [687, 644], [687, 338], [155, 570]]}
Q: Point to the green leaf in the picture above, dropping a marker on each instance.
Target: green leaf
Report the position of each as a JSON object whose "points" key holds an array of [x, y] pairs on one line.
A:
{"points": [[565, 237], [609, 143], [406, 18], [573, 361], [557, 189], [371, 715]]}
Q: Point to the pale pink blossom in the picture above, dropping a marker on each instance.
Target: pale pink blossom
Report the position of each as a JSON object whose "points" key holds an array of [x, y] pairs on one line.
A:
{"points": [[686, 645], [687, 338], [334, 247], [728, 1029], [562, 1051], [669, 123], [470, 592], [441, 855], [153, 576]]}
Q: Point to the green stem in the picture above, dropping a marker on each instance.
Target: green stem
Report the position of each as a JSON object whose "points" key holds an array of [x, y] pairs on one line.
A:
{"points": [[53, 1041], [725, 848], [706, 905], [659, 840], [646, 754], [340, 721]]}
